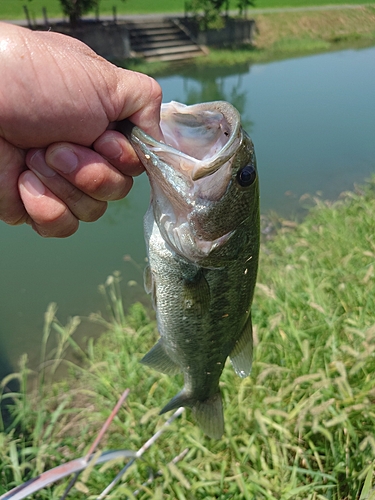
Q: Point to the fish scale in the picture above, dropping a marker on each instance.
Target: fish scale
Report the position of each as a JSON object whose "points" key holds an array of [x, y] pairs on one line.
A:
{"points": [[202, 238]]}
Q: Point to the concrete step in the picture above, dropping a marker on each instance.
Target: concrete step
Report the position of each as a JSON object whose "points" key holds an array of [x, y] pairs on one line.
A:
{"points": [[161, 40], [153, 44], [170, 50], [138, 37], [175, 57], [150, 23], [152, 32]]}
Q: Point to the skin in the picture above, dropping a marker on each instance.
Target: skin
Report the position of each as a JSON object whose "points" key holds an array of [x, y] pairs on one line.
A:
{"points": [[60, 159]]}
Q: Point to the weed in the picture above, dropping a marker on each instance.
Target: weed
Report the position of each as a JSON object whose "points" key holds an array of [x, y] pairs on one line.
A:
{"points": [[300, 427]]}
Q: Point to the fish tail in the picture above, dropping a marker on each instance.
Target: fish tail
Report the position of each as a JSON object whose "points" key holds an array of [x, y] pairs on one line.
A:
{"points": [[209, 416], [208, 413]]}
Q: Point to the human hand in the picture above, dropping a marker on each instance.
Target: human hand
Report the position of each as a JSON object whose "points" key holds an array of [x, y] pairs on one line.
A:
{"points": [[60, 162]]}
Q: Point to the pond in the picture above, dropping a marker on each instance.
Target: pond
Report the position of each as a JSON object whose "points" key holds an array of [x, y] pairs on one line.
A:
{"points": [[312, 120]]}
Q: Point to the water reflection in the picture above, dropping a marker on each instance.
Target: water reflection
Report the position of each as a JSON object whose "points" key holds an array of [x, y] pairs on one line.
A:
{"points": [[311, 120]]}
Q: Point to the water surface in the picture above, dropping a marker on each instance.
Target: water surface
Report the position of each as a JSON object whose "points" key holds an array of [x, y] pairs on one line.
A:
{"points": [[312, 121]]}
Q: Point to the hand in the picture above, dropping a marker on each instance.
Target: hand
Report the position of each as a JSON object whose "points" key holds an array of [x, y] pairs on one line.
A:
{"points": [[60, 161]]}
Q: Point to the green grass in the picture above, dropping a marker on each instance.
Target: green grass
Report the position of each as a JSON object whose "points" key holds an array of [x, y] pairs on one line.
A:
{"points": [[13, 9], [300, 427]]}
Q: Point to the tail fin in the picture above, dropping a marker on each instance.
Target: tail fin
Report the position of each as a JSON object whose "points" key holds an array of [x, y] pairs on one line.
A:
{"points": [[209, 416], [207, 413]]}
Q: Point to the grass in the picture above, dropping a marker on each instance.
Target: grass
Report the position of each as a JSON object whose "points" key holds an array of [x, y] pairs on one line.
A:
{"points": [[13, 9], [301, 427]]}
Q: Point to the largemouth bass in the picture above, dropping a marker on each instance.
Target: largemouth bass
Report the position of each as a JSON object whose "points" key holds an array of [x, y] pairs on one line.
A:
{"points": [[202, 235]]}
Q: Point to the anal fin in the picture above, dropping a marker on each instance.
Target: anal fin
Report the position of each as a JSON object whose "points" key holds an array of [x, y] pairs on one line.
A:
{"points": [[158, 359], [242, 355]]}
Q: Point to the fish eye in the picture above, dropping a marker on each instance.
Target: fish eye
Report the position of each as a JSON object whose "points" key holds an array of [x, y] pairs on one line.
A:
{"points": [[246, 176]]}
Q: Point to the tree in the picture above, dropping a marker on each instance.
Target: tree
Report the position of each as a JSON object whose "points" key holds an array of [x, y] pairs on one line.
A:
{"points": [[76, 8], [243, 5], [206, 12]]}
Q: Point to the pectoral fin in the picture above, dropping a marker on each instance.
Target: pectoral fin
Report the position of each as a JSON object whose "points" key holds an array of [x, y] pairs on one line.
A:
{"points": [[242, 355], [158, 359], [196, 296], [149, 285], [147, 279]]}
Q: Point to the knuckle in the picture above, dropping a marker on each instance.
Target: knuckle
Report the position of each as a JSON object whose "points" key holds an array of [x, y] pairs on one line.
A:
{"points": [[103, 188], [94, 211], [57, 229]]}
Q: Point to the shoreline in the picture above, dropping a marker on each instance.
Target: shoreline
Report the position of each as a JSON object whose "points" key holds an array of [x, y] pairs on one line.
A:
{"points": [[283, 35]]}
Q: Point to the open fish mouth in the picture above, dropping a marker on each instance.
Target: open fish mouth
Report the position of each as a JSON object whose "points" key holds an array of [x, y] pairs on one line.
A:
{"points": [[198, 139], [193, 174]]}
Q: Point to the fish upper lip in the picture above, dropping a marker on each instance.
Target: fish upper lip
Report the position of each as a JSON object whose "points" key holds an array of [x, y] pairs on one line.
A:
{"points": [[199, 168]]}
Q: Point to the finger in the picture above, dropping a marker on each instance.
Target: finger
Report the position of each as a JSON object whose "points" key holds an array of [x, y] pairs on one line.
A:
{"points": [[114, 146], [82, 206], [88, 171], [50, 217], [12, 163]]}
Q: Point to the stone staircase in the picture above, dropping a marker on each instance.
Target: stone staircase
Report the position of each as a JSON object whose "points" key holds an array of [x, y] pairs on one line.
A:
{"points": [[162, 40]]}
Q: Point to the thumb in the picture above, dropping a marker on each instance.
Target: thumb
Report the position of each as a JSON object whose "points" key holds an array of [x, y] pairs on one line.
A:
{"points": [[139, 99]]}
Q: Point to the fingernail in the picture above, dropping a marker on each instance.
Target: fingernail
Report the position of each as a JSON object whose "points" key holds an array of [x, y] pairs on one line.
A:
{"points": [[33, 185], [38, 163], [111, 149], [63, 159]]}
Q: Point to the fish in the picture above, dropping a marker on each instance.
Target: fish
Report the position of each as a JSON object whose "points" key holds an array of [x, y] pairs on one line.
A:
{"points": [[202, 233]]}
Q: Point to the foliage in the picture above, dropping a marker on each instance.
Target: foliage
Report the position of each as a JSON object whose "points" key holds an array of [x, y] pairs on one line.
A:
{"points": [[300, 427], [76, 8], [207, 13], [243, 5]]}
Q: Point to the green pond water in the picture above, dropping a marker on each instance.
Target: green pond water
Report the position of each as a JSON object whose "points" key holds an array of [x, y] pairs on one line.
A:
{"points": [[312, 120]]}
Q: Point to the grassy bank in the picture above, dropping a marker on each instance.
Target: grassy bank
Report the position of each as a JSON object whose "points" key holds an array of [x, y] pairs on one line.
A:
{"points": [[287, 34], [10, 9], [301, 427]]}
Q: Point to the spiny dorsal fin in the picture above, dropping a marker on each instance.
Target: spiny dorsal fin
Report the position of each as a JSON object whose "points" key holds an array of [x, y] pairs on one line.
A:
{"points": [[158, 359], [242, 355]]}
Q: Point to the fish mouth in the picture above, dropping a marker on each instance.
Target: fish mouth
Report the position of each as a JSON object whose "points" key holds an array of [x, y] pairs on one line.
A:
{"points": [[190, 172], [198, 139]]}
